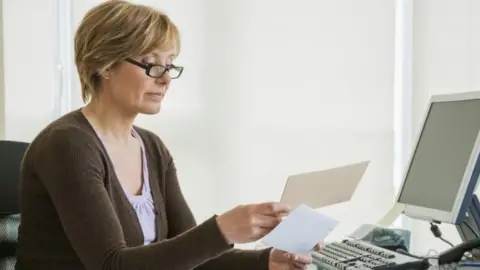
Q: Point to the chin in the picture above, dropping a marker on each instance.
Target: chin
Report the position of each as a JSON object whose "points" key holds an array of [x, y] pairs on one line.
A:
{"points": [[150, 110]]}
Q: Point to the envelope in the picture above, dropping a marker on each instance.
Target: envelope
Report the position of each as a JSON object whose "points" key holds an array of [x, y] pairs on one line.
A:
{"points": [[323, 188]]}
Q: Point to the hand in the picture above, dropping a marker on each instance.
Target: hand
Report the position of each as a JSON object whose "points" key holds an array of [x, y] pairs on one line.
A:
{"points": [[281, 260], [248, 223]]}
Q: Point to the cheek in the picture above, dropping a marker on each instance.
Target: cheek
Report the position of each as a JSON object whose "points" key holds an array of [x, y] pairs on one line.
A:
{"points": [[139, 82], [142, 87], [132, 84], [136, 80]]}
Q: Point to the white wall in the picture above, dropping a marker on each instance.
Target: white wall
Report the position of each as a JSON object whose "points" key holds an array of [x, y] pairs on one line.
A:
{"points": [[266, 92], [446, 60], [29, 66]]}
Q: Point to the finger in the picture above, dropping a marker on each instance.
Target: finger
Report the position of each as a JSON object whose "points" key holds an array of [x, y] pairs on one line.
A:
{"points": [[318, 246], [261, 232], [302, 259], [274, 208], [258, 233], [299, 266], [266, 222]]}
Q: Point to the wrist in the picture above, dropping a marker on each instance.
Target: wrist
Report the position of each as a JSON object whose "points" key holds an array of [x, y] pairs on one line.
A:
{"points": [[220, 224], [271, 261]]}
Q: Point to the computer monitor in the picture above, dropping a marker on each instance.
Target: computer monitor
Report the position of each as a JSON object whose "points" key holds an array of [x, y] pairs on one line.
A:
{"points": [[444, 166]]}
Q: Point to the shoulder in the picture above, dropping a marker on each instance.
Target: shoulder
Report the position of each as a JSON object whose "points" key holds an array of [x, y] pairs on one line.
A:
{"points": [[64, 135], [71, 128]]}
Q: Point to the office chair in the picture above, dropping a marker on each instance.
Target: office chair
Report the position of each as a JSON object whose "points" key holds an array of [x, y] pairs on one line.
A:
{"points": [[11, 154]]}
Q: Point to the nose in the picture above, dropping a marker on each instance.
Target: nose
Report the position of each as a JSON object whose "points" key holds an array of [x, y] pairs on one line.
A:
{"points": [[165, 79]]}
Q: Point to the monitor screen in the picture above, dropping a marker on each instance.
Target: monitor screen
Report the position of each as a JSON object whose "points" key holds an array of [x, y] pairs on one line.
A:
{"points": [[443, 151]]}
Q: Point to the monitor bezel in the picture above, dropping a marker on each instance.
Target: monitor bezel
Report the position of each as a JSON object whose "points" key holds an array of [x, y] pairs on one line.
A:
{"points": [[467, 186]]}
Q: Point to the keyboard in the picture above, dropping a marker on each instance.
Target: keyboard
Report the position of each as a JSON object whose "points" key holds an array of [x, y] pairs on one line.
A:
{"points": [[357, 254]]}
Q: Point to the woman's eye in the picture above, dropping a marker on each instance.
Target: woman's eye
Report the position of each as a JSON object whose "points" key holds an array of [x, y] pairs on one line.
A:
{"points": [[148, 60]]}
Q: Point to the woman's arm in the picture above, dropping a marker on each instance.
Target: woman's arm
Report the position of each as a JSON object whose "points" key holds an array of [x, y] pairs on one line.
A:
{"points": [[180, 219], [68, 163]]}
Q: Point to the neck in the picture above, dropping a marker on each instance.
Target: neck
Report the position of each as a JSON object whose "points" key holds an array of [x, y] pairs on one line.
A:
{"points": [[109, 120]]}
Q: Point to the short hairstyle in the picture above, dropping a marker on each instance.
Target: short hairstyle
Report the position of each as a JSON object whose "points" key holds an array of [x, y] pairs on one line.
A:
{"points": [[115, 30]]}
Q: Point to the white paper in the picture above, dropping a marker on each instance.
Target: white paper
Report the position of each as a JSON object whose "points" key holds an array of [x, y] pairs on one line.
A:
{"points": [[300, 231]]}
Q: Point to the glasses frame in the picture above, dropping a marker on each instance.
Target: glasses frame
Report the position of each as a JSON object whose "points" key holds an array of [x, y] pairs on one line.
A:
{"points": [[148, 68]]}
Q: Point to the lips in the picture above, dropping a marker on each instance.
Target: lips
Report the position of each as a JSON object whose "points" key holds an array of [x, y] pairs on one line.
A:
{"points": [[157, 93], [155, 96]]}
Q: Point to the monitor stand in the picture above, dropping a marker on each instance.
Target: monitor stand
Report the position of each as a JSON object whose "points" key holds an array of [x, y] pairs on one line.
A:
{"points": [[472, 218]]}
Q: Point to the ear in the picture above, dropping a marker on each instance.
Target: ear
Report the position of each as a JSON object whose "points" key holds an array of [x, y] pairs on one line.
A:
{"points": [[105, 74]]}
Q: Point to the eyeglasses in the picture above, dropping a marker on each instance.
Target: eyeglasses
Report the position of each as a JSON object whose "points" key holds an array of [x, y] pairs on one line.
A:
{"points": [[157, 71]]}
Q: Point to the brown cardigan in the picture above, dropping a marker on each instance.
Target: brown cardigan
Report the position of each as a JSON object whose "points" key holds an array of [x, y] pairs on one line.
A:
{"points": [[75, 214]]}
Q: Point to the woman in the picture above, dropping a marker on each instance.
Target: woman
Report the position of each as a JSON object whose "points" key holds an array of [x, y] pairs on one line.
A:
{"points": [[100, 193]]}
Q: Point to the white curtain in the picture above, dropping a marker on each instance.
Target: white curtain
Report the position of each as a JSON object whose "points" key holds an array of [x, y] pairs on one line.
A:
{"points": [[270, 88], [281, 88]]}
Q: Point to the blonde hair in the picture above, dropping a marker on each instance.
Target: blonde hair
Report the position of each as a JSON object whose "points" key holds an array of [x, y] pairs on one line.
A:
{"points": [[115, 30]]}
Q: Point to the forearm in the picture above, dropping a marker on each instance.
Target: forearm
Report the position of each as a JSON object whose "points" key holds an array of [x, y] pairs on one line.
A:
{"points": [[237, 259], [178, 253]]}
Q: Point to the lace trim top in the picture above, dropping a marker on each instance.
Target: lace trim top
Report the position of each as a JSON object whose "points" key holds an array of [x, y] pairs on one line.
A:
{"points": [[143, 204]]}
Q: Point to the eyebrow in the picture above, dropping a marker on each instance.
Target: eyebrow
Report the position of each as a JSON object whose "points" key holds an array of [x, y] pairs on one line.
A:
{"points": [[171, 56]]}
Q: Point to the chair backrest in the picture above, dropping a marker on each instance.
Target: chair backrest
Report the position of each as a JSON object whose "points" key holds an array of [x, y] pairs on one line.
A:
{"points": [[11, 155]]}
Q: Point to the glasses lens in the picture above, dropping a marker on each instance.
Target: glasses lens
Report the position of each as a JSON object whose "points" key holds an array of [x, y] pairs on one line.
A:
{"points": [[174, 72], [156, 71]]}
